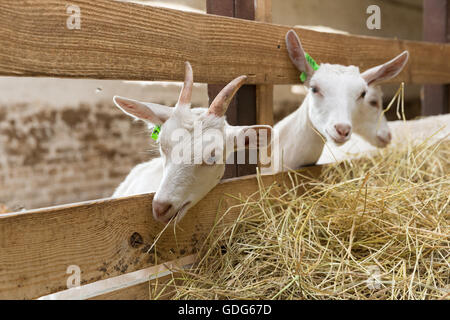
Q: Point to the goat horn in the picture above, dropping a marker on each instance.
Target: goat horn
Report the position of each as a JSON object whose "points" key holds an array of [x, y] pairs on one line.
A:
{"points": [[186, 91], [220, 104]]}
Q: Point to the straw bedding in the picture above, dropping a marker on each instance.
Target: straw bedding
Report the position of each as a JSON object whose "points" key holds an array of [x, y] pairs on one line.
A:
{"points": [[371, 228]]}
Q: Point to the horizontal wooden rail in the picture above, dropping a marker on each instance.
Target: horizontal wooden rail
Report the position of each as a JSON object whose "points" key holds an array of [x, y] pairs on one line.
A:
{"points": [[135, 42], [107, 238]]}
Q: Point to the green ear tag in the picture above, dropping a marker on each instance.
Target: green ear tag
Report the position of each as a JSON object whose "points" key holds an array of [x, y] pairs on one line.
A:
{"points": [[155, 132], [313, 65], [311, 62], [303, 76]]}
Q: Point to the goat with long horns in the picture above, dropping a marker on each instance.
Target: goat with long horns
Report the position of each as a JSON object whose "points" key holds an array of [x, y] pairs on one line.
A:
{"points": [[179, 185]]}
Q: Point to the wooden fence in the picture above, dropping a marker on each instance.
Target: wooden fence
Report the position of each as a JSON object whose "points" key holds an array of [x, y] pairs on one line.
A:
{"points": [[109, 239], [129, 41]]}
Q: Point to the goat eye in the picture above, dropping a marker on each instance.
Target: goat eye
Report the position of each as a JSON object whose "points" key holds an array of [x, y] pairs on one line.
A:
{"points": [[363, 94], [374, 103], [314, 89]]}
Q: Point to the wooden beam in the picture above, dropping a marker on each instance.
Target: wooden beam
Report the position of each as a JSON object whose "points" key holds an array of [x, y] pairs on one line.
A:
{"points": [[435, 99], [436, 27], [131, 41], [243, 109], [253, 103], [224, 8], [263, 10], [246, 96], [264, 93], [110, 237], [246, 110], [264, 102]]}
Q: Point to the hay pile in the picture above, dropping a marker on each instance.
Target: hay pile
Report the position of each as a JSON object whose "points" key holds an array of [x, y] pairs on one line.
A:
{"points": [[372, 228]]}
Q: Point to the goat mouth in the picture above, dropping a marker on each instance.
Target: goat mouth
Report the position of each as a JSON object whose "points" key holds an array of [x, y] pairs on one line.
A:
{"points": [[181, 212], [383, 142], [338, 141]]}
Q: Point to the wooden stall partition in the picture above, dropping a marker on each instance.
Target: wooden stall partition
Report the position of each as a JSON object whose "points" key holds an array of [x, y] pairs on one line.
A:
{"points": [[130, 41], [436, 28]]}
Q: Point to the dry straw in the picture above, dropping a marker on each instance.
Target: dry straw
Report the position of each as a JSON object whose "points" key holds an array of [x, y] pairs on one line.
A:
{"points": [[375, 228], [371, 228]]}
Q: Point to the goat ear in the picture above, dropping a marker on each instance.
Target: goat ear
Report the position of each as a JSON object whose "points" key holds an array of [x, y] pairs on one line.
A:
{"points": [[149, 112], [386, 71], [251, 137], [297, 54]]}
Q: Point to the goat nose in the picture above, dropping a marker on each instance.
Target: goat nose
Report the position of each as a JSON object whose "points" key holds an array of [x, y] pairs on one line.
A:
{"points": [[343, 129], [160, 208], [385, 138]]}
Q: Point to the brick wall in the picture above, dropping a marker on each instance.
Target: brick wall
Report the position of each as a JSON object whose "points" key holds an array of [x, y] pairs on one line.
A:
{"points": [[74, 153]]}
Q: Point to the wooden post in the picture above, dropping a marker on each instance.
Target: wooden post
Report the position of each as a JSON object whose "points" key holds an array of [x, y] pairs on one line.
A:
{"points": [[252, 104], [436, 28], [264, 93]]}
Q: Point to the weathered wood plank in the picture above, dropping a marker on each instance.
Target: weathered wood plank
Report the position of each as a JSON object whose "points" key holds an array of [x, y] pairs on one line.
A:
{"points": [[224, 8], [246, 96], [436, 17], [243, 108], [264, 102], [246, 111], [264, 93], [263, 10], [36, 247], [136, 42]]}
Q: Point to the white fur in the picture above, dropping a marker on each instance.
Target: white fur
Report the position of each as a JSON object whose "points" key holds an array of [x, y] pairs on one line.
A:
{"points": [[300, 141], [431, 129], [149, 172]]}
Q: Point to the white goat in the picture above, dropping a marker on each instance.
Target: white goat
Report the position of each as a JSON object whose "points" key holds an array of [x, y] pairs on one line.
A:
{"points": [[427, 130], [340, 100], [179, 186], [371, 128]]}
